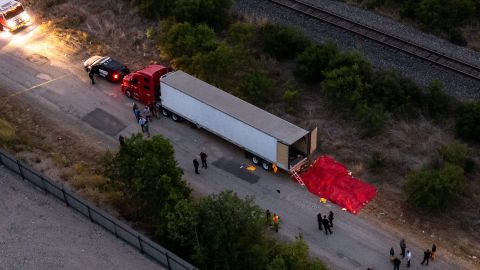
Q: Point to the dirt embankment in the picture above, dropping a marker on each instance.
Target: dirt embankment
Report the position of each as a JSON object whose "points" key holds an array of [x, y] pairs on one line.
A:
{"points": [[114, 27]]}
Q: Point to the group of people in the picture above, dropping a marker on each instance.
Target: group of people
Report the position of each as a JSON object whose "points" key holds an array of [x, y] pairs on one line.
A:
{"points": [[407, 254], [196, 164], [143, 119], [327, 222]]}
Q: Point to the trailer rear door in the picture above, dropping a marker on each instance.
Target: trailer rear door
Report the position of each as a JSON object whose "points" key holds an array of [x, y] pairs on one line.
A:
{"points": [[282, 155], [313, 140]]}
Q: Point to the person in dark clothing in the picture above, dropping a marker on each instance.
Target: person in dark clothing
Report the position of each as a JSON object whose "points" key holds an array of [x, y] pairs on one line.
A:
{"points": [[396, 263], [203, 157], [426, 256], [392, 253], [330, 218], [320, 220], [326, 225], [121, 140], [196, 164], [90, 75], [434, 249], [269, 217], [403, 246]]}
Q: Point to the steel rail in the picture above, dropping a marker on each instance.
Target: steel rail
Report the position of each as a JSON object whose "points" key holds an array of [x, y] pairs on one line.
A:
{"points": [[389, 40]]}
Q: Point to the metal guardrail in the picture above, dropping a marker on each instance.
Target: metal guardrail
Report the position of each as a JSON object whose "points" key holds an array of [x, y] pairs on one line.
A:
{"points": [[108, 222]]}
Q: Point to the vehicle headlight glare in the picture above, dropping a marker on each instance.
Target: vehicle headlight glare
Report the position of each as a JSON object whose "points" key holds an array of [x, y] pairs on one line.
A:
{"points": [[11, 24], [25, 16]]}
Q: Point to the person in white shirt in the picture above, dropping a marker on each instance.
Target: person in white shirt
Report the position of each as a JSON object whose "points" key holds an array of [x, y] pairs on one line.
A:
{"points": [[409, 257]]}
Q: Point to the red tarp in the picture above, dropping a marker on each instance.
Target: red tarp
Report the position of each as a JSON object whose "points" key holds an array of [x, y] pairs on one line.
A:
{"points": [[330, 179]]}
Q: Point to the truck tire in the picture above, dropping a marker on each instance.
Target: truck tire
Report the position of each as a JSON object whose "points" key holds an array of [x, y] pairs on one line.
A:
{"points": [[165, 113], [256, 160], [176, 118], [128, 93], [266, 166]]}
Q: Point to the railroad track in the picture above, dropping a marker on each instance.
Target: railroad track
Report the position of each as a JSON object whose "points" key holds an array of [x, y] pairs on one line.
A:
{"points": [[391, 41]]}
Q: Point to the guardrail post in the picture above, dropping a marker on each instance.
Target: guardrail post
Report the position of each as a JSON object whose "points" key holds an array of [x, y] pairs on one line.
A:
{"points": [[140, 243], [65, 197], [20, 169], [89, 213], [168, 261]]}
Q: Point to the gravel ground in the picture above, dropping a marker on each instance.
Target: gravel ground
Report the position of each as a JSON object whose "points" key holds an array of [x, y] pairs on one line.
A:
{"points": [[381, 57], [39, 232]]}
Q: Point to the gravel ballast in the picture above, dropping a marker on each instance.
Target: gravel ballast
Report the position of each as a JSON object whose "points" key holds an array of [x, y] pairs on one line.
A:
{"points": [[383, 58], [39, 232]]}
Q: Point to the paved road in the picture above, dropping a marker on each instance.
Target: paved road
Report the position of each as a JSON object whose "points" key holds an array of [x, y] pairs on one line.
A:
{"points": [[102, 112], [39, 232]]}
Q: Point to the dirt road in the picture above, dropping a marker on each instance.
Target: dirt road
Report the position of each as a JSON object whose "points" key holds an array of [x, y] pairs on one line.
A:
{"points": [[36, 68]]}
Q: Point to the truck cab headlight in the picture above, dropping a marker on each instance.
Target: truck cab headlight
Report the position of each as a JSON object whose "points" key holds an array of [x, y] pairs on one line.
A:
{"points": [[25, 16], [11, 24]]}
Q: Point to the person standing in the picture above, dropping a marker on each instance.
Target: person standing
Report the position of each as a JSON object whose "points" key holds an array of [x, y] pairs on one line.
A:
{"points": [[269, 217], [203, 157], [276, 221], [396, 263], [146, 127], [121, 140], [409, 257], [403, 246], [141, 122], [90, 75], [326, 225], [434, 249], [196, 164], [330, 218], [136, 111], [147, 113], [426, 256], [392, 254], [319, 220]]}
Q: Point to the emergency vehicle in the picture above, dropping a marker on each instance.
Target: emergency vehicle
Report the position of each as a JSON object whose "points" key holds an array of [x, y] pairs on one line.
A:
{"points": [[13, 15]]}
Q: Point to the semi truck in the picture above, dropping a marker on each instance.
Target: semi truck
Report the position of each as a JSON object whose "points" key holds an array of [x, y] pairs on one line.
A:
{"points": [[13, 15], [269, 141]]}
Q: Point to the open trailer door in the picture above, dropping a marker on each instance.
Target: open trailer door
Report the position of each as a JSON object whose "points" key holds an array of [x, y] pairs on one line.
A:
{"points": [[313, 141]]}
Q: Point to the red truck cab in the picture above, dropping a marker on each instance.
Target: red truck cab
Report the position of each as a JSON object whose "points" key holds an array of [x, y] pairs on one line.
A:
{"points": [[144, 85]]}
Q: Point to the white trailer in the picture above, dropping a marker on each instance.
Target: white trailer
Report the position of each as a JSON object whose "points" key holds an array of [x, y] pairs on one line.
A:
{"points": [[270, 140]]}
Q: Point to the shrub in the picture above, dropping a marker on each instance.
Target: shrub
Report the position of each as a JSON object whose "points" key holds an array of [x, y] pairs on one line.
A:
{"points": [[456, 37], [437, 102], [256, 88], [214, 13], [371, 119], [351, 59], [435, 191], [283, 42], [376, 161], [152, 9], [454, 153], [312, 62], [388, 91], [290, 97], [184, 39], [216, 67], [242, 34], [467, 124], [344, 87]]}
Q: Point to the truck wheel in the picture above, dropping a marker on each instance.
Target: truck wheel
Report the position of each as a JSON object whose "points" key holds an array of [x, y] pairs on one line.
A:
{"points": [[165, 113], [255, 160], [128, 93], [176, 118], [266, 166]]}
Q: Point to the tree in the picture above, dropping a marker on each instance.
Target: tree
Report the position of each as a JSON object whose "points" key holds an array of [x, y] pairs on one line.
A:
{"points": [[242, 34], [282, 42], [467, 123], [387, 91], [229, 232], [351, 59], [454, 153], [435, 191], [344, 87], [292, 255], [152, 9], [217, 67], [371, 119], [181, 39], [256, 88], [214, 13], [146, 172], [312, 62]]}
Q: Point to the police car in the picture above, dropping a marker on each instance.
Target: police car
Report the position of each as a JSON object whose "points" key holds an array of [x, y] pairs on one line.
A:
{"points": [[106, 67]]}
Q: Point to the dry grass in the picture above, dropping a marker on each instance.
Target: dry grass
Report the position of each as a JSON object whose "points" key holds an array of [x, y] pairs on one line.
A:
{"points": [[7, 132]]}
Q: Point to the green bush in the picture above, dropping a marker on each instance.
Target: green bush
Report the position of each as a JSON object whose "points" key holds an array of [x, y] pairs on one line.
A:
{"points": [[435, 191], [376, 161], [283, 42], [152, 9], [467, 124], [181, 39], [242, 34], [290, 97], [350, 59], [256, 88], [386, 89], [456, 37], [372, 120], [344, 87], [312, 62], [437, 102], [216, 67], [454, 153]]}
